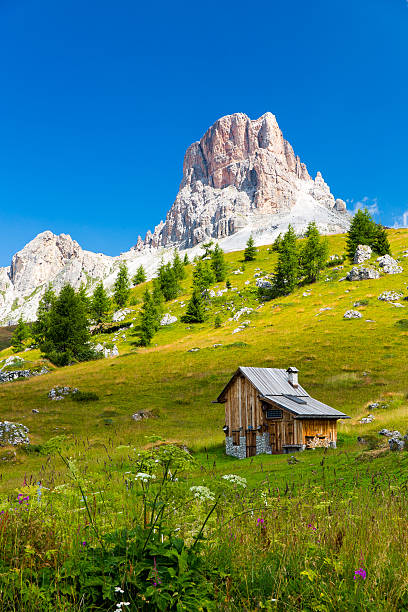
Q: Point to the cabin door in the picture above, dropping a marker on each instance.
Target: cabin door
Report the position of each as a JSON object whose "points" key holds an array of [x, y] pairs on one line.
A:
{"points": [[250, 443], [275, 437]]}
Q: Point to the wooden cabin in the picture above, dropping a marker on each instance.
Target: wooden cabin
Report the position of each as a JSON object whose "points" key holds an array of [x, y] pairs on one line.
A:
{"points": [[267, 411]]}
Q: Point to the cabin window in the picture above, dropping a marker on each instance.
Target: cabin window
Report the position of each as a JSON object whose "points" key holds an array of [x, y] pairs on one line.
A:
{"points": [[235, 438], [273, 413]]}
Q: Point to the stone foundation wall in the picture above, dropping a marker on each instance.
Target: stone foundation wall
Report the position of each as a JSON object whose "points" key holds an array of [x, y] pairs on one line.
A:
{"points": [[236, 451], [262, 444]]}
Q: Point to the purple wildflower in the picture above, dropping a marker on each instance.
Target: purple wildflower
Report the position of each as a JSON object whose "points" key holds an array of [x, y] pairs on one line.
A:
{"points": [[83, 543], [260, 521], [312, 527], [360, 573], [155, 574]]}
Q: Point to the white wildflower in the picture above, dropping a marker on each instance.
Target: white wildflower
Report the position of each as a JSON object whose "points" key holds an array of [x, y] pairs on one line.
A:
{"points": [[144, 477], [236, 480], [119, 590], [202, 493]]}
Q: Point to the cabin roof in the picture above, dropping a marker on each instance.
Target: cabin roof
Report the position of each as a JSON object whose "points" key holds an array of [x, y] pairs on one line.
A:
{"points": [[274, 387], [311, 408]]}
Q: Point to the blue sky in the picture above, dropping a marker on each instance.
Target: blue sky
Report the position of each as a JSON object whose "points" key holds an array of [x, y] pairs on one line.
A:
{"points": [[100, 99]]}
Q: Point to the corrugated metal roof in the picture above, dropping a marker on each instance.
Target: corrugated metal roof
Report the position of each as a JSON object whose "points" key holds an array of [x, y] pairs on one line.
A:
{"points": [[272, 381], [311, 408]]}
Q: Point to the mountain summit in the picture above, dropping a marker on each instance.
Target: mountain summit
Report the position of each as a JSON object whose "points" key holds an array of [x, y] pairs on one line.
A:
{"points": [[244, 174]]}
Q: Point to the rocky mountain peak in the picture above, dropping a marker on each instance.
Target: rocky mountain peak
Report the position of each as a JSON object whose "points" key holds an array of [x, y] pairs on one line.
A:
{"points": [[240, 171]]}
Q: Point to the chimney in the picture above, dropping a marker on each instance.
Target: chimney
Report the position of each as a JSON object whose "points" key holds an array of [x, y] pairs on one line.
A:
{"points": [[293, 377]]}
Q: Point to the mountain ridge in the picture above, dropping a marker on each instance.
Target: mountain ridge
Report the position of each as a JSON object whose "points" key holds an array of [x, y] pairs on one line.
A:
{"points": [[241, 178]]}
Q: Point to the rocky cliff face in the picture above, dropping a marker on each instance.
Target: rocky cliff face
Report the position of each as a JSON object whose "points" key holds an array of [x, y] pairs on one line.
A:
{"points": [[244, 173], [242, 178], [46, 259]]}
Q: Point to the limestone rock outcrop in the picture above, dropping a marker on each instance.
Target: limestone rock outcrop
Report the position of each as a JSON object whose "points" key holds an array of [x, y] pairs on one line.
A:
{"points": [[244, 173], [46, 259], [363, 252]]}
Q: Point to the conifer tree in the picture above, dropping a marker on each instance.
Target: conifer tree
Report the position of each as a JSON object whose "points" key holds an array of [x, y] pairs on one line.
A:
{"points": [[40, 326], [250, 251], [228, 283], [20, 335], [178, 266], [67, 334], [168, 282], [381, 244], [363, 230], [122, 286], [287, 269], [314, 254], [148, 319], [158, 301], [85, 298], [100, 304], [277, 243], [195, 312], [186, 260], [203, 276], [218, 263], [207, 248], [140, 276], [217, 321]]}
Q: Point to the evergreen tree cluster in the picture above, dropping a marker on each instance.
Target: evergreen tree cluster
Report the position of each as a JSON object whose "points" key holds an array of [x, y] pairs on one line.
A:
{"points": [[296, 264], [62, 326], [364, 230], [170, 276], [165, 287]]}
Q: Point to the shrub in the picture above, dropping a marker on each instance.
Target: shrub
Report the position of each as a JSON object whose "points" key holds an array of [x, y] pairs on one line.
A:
{"points": [[85, 396]]}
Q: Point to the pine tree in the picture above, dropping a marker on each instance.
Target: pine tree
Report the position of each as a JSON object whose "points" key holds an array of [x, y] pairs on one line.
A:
{"points": [[218, 263], [122, 286], [363, 230], [314, 254], [86, 300], [217, 321], [140, 276], [203, 276], [186, 260], [100, 304], [277, 243], [158, 301], [169, 284], [207, 248], [381, 245], [20, 335], [228, 283], [195, 309], [250, 251], [178, 266], [67, 335], [287, 269], [147, 319], [40, 326]]}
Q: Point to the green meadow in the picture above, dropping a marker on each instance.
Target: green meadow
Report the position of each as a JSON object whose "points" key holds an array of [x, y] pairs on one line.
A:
{"points": [[292, 538]]}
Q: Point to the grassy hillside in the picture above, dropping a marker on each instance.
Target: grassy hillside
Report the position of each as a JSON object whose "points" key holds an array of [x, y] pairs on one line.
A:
{"points": [[345, 363]]}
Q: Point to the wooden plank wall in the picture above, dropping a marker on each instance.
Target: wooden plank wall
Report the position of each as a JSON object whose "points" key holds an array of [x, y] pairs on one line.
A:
{"points": [[243, 408], [320, 427]]}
